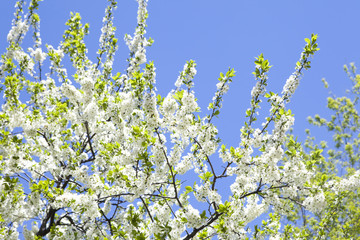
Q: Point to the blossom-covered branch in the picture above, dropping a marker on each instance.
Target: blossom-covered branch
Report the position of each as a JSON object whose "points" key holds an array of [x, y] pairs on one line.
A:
{"points": [[102, 155]]}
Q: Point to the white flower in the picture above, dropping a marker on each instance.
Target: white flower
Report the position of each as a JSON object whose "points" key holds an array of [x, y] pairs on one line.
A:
{"points": [[91, 111], [140, 56], [257, 138], [291, 84], [184, 165], [189, 103], [38, 54], [193, 217], [187, 74], [18, 29], [87, 84], [71, 92], [315, 203], [169, 105]]}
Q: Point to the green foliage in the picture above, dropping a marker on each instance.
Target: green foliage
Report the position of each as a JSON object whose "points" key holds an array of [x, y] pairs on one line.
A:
{"points": [[341, 159]]}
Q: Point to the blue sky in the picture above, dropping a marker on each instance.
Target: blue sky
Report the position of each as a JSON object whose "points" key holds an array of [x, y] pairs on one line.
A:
{"points": [[223, 34]]}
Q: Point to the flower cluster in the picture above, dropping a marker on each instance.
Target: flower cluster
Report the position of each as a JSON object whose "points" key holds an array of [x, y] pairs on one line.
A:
{"points": [[138, 43], [187, 75], [315, 203], [38, 54], [18, 31]]}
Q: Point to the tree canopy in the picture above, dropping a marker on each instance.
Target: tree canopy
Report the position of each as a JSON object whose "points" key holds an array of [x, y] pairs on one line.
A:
{"points": [[101, 155]]}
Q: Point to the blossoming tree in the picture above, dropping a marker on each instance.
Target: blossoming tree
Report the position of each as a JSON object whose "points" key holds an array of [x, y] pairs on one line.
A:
{"points": [[100, 155], [337, 165]]}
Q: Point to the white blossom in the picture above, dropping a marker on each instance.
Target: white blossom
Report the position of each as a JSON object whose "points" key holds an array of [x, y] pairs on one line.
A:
{"points": [[38, 54], [98, 149], [315, 203], [18, 31]]}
